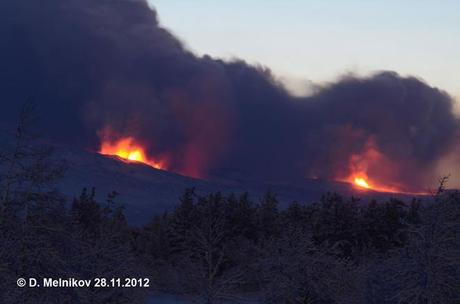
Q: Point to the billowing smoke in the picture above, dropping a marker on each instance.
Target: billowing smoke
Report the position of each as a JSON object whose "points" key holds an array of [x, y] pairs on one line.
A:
{"points": [[397, 128], [106, 68]]}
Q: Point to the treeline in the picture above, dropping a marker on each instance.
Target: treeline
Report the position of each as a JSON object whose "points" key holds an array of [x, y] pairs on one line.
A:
{"points": [[54, 240], [43, 234], [219, 248]]}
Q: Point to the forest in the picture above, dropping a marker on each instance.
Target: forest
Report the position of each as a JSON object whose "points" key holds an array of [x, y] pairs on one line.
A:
{"points": [[218, 248]]}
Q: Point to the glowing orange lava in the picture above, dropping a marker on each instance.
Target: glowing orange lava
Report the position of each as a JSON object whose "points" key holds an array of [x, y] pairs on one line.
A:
{"points": [[127, 148], [372, 170], [361, 182]]}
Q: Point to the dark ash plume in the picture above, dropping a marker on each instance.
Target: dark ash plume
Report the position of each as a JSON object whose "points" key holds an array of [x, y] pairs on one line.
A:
{"points": [[410, 123], [98, 65]]}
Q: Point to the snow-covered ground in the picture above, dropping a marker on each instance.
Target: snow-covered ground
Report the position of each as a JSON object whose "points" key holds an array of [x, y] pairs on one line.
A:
{"points": [[145, 191]]}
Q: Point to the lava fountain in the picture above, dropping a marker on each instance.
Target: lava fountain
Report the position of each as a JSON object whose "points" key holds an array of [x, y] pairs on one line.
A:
{"points": [[361, 182], [129, 150], [360, 168], [372, 170]]}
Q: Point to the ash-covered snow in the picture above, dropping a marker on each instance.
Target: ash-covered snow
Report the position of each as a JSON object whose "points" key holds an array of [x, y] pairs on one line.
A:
{"points": [[145, 191]]}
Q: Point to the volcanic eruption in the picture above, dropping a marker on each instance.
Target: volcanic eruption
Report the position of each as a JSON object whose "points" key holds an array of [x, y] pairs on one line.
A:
{"points": [[372, 170], [112, 65], [127, 149], [361, 182]]}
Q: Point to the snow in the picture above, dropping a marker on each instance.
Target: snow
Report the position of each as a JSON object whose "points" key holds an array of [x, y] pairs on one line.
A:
{"points": [[145, 191]]}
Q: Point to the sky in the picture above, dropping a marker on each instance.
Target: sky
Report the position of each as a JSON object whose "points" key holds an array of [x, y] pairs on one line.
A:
{"points": [[124, 77], [316, 41]]}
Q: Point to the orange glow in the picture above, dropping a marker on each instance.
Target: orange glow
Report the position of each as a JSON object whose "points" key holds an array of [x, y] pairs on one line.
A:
{"points": [[366, 183], [127, 149], [361, 182], [374, 171], [360, 167]]}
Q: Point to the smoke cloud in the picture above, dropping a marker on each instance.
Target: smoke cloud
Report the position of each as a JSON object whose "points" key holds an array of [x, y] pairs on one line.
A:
{"points": [[108, 68]]}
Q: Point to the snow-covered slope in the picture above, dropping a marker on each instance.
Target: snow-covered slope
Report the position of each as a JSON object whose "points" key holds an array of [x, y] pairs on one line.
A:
{"points": [[145, 191]]}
